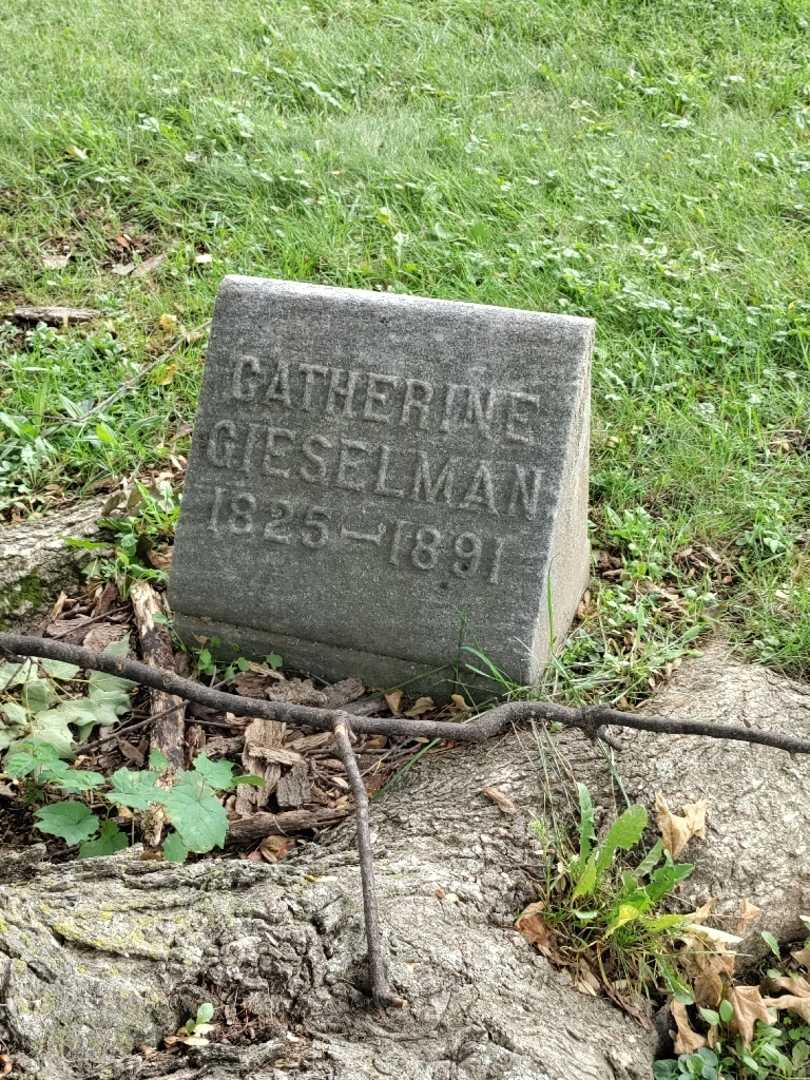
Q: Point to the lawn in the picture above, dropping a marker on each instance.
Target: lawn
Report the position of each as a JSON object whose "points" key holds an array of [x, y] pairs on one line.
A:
{"points": [[642, 163]]}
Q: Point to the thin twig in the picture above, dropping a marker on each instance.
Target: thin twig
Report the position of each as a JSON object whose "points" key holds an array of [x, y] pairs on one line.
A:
{"points": [[381, 992], [82, 626], [486, 726]]}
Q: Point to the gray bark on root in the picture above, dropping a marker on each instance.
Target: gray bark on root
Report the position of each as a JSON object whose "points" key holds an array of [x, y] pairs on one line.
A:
{"points": [[99, 957], [35, 562]]}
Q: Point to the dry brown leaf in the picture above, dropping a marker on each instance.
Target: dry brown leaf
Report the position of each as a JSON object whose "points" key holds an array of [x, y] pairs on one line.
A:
{"points": [[749, 1007], [802, 956], [148, 265], [748, 915], [534, 928], [676, 829], [458, 704], [707, 961], [687, 1041], [131, 752], [394, 701], [798, 997], [586, 981], [501, 800], [374, 783], [274, 848], [161, 560], [192, 1040], [799, 1005], [421, 706], [122, 269], [707, 987], [703, 912], [796, 984], [165, 375]]}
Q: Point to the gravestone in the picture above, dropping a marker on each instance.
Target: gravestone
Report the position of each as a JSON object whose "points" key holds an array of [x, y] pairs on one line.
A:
{"points": [[378, 480]]}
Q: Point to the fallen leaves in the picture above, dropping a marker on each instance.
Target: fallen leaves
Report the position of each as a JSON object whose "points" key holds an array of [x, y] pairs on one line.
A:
{"points": [[55, 262], [678, 829], [797, 998], [749, 1007], [501, 800], [707, 960], [535, 929], [748, 915], [149, 265], [687, 1040], [421, 706], [394, 701], [274, 848]]}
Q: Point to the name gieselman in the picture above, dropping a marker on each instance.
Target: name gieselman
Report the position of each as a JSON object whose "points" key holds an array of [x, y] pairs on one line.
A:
{"points": [[327, 458]]}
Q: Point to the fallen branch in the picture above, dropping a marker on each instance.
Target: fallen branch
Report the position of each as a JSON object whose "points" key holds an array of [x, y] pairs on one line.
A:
{"points": [[128, 385], [54, 316], [488, 725], [381, 992], [256, 827]]}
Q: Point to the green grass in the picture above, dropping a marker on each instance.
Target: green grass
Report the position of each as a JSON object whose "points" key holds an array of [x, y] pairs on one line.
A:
{"points": [[642, 163]]}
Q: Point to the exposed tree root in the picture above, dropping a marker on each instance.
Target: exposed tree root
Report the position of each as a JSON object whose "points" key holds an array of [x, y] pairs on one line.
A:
{"points": [[591, 720]]}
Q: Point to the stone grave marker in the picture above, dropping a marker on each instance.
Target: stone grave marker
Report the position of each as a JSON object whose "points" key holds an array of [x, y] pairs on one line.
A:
{"points": [[376, 480]]}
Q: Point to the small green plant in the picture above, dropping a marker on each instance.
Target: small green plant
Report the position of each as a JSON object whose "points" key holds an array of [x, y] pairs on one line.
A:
{"points": [[205, 662], [136, 537], [749, 1036], [39, 709], [776, 1052], [193, 1032], [603, 917], [189, 800]]}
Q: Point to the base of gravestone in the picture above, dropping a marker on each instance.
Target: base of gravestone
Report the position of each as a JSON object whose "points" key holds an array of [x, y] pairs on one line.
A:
{"points": [[379, 672]]}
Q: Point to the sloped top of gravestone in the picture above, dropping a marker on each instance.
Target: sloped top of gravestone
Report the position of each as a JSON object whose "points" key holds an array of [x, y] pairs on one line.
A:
{"points": [[245, 286]]}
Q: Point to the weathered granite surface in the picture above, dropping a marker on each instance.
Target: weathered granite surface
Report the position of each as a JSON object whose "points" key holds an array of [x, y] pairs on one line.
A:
{"points": [[377, 478]]}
